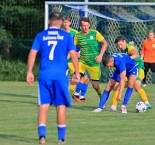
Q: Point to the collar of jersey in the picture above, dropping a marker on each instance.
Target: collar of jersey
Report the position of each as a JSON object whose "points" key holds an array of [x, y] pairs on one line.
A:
{"points": [[53, 27]]}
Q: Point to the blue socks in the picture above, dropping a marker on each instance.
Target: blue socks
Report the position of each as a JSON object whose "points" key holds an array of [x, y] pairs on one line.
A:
{"points": [[78, 87], [84, 89], [42, 130], [103, 99], [127, 96], [61, 132]]}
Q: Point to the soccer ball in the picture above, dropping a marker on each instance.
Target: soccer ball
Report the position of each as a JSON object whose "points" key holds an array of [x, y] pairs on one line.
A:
{"points": [[141, 107]]}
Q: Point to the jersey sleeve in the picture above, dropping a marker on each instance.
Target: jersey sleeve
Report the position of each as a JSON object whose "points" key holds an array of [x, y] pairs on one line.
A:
{"points": [[99, 37], [75, 40], [131, 48], [71, 45], [36, 43]]}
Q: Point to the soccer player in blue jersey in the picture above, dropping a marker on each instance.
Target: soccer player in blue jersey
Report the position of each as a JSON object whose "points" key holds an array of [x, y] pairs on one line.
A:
{"points": [[53, 45], [124, 67]]}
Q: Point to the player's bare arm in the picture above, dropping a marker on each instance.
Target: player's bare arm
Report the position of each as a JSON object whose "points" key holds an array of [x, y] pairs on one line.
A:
{"points": [[30, 63], [98, 58], [121, 85], [75, 61], [134, 54]]}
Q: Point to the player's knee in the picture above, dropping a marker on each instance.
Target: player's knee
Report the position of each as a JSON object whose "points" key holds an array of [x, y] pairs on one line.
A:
{"points": [[95, 85]]}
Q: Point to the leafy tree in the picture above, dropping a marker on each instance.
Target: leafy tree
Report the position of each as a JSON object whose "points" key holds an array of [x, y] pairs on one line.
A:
{"points": [[20, 20]]}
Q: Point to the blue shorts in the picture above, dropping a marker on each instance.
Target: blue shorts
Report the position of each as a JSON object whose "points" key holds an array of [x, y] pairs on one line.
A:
{"points": [[115, 76], [54, 92]]}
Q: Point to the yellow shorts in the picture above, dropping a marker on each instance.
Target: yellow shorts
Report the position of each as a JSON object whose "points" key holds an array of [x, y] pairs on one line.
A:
{"points": [[140, 75], [71, 68], [94, 71]]}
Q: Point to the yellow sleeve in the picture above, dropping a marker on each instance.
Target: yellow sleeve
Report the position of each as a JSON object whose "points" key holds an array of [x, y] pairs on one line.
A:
{"points": [[99, 37], [75, 40], [130, 48]]}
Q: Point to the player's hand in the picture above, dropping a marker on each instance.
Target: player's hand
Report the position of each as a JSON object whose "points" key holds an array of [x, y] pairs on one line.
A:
{"points": [[119, 98], [76, 78], [98, 59], [30, 78]]}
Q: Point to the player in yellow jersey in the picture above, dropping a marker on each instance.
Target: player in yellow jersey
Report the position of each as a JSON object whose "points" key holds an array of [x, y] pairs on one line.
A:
{"points": [[67, 28], [90, 55], [131, 50]]}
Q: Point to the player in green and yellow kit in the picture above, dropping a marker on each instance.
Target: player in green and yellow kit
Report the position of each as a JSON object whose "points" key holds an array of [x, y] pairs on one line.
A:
{"points": [[90, 56], [67, 28], [131, 50]]}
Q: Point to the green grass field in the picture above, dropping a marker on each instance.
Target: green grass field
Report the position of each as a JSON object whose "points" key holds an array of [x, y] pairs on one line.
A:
{"points": [[18, 119]]}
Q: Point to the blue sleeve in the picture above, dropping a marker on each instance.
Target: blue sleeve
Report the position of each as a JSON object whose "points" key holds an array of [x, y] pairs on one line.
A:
{"points": [[36, 44], [71, 45], [77, 48]]}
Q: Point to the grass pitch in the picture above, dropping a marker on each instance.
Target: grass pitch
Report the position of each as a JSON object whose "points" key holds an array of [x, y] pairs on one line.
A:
{"points": [[18, 119]]}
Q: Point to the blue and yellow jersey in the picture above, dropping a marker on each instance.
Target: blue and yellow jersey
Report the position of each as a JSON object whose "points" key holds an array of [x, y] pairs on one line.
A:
{"points": [[89, 47]]}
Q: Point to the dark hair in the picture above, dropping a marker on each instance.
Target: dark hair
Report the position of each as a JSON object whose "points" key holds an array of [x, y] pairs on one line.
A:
{"points": [[85, 19], [55, 16], [120, 38], [106, 60], [66, 18]]}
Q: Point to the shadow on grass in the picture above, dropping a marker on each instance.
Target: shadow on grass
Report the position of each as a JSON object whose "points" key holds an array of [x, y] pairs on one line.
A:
{"points": [[88, 108], [8, 98], [15, 101], [16, 138], [17, 95]]}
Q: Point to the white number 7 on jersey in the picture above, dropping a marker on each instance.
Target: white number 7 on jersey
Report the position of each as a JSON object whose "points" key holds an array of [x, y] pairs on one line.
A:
{"points": [[54, 43]]}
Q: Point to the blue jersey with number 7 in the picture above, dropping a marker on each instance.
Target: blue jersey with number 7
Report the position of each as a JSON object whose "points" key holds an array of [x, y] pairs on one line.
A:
{"points": [[53, 45]]}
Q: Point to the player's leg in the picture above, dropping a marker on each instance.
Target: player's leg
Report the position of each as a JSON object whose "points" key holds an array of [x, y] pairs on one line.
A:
{"points": [[146, 66], [140, 90], [72, 85], [132, 75], [61, 101], [114, 97], [95, 74], [42, 119], [81, 85], [44, 101], [85, 80], [105, 95], [61, 123], [115, 77], [152, 66]]}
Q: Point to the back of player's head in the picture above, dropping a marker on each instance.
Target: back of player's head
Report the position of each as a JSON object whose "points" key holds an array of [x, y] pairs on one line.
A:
{"points": [[106, 60], [118, 39], [84, 19], [54, 16], [66, 18]]}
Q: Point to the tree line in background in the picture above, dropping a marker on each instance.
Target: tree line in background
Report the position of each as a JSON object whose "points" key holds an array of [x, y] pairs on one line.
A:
{"points": [[19, 23]]}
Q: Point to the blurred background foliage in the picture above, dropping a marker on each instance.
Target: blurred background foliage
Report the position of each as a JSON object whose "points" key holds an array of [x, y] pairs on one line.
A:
{"points": [[20, 21]]}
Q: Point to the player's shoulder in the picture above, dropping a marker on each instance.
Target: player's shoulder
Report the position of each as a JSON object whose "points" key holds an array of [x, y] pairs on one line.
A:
{"points": [[93, 31], [145, 40], [73, 30], [79, 33], [130, 46]]}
